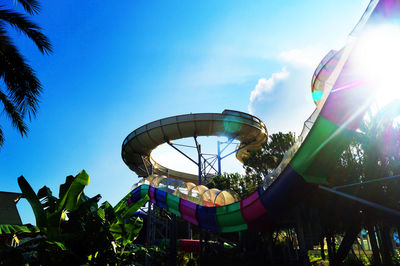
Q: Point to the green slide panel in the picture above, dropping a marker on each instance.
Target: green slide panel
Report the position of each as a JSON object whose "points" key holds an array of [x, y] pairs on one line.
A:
{"points": [[144, 190], [230, 219], [328, 142], [173, 204]]}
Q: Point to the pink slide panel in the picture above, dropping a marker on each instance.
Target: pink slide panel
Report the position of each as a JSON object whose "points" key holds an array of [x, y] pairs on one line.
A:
{"points": [[252, 207]]}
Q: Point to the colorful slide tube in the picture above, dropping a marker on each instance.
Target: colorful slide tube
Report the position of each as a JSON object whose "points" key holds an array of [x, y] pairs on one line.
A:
{"points": [[342, 106], [138, 145]]}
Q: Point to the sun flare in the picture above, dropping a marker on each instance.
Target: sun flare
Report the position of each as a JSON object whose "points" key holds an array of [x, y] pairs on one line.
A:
{"points": [[377, 58]]}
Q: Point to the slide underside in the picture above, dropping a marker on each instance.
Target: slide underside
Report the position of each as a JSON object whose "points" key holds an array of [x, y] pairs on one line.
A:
{"points": [[334, 124]]}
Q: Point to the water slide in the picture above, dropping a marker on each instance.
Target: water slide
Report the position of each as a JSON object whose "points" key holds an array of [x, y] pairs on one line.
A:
{"points": [[137, 147], [341, 95]]}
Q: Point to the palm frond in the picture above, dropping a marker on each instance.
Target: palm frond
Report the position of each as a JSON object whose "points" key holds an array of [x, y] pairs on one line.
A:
{"points": [[15, 116], [22, 85], [30, 6], [30, 29], [1, 137]]}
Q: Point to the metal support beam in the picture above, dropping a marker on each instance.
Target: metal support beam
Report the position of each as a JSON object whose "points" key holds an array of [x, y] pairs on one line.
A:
{"points": [[219, 156], [367, 182], [181, 152], [204, 163], [347, 242], [199, 158], [149, 241], [183, 145], [243, 146], [172, 241], [210, 164], [144, 163], [229, 142], [363, 201]]}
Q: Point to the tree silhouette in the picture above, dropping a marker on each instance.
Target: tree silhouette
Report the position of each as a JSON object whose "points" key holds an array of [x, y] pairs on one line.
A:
{"points": [[20, 88], [258, 165], [262, 162]]}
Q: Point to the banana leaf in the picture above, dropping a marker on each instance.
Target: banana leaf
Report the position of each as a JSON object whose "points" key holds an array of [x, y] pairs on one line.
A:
{"points": [[127, 211], [10, 229], [64, 187], [89, 206], [106, 212], [123, 202], [126, 233], [58, 244], [47, 199], [71, 197], [30, 195]]}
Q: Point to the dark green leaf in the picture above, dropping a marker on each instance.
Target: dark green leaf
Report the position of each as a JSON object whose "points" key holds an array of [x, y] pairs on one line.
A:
{"points": [[33, 200], [8, 229], [71, 198]]}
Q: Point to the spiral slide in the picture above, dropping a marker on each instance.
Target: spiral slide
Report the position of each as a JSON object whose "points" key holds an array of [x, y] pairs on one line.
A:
{"points": [[341, 96], [137, 147]]}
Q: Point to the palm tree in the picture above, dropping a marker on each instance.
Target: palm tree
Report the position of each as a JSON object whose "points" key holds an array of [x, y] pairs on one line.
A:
{"points": [[20, 88]]}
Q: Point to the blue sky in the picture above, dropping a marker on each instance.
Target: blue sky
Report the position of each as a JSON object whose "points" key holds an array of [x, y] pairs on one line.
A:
{"points": [[118, 66]]}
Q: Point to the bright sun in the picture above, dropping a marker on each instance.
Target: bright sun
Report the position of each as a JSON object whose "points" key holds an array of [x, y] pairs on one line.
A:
{"points": [[378, 60]]}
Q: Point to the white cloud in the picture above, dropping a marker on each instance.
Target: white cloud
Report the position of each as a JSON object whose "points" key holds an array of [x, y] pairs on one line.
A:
{"points": [[301, 57], [265, 86], [299, 63]]}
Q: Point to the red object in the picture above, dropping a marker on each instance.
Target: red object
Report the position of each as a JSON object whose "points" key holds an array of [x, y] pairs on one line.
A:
{"points": [[189, 245], [208, 203]]}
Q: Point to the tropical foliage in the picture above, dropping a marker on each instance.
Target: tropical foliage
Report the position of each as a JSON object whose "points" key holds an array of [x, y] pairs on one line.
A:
{"points": [[73, 229], [243, 185], [258, 165], [373, 154], [369, 169], [262, 162], [20, 88]]}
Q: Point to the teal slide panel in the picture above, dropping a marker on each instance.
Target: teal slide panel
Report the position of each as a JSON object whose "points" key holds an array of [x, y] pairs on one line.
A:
{"points": [[173, 204], [230, 219], [144, 189]]}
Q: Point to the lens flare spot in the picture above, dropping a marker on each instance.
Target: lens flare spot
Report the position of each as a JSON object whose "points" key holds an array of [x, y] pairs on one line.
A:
{"points": [[317, 95], [232, 124]]}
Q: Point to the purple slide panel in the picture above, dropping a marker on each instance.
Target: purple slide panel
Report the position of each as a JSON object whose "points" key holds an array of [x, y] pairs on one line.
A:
{"points": [[151, 195], [343, 106], [188, 211], [384, 11]]}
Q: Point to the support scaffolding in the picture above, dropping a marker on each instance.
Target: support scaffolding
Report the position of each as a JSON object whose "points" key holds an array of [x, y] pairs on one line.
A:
{"points": [[209, 165]]}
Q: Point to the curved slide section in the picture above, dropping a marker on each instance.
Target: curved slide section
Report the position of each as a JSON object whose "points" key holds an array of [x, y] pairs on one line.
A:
{"points": [[138, 145], [338, 116], [198, 194]]}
